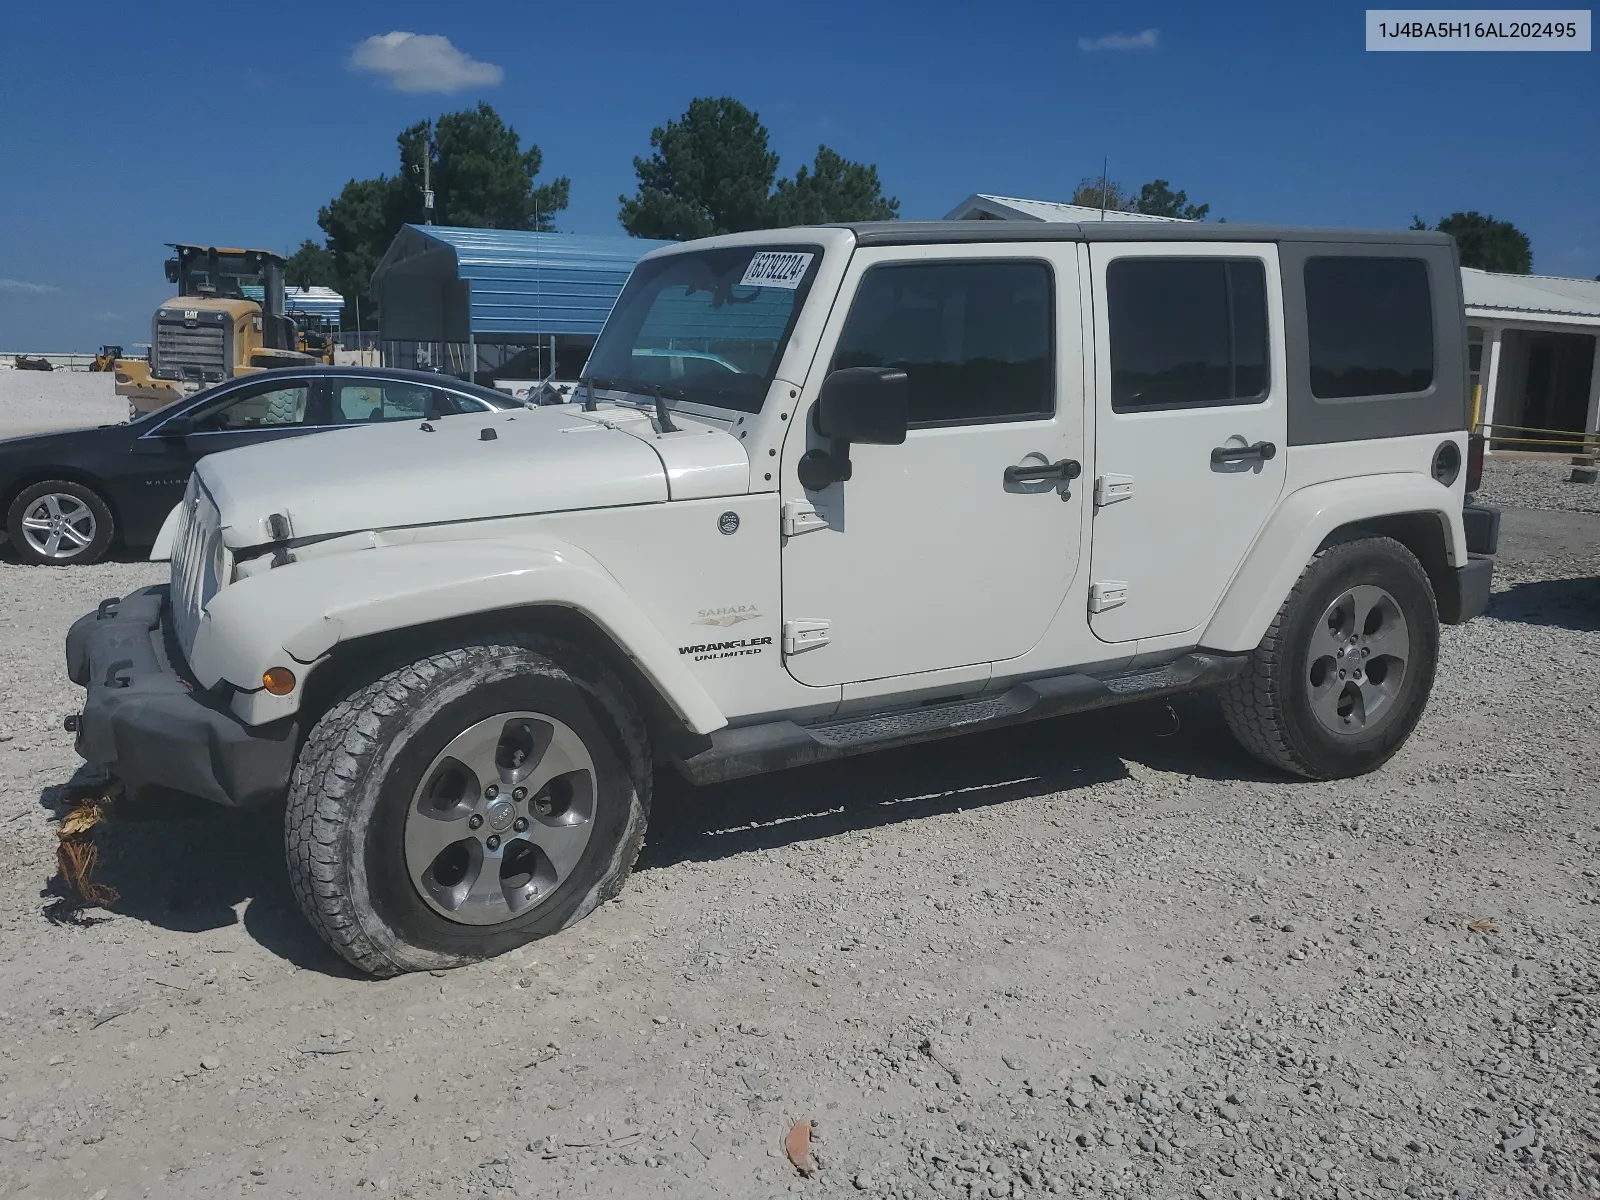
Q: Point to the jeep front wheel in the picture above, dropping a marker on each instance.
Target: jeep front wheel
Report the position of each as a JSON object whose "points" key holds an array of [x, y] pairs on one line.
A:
{"points": [[467, 803], [1345, 670]]}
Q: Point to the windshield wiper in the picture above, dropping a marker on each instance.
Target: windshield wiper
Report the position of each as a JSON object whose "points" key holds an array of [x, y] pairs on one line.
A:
{"points": [[590, 382], [662, 417], [654, 390]]}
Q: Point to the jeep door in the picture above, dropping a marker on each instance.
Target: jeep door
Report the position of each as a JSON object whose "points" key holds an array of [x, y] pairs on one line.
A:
{"points": [[929, 556], [1191, 423]]}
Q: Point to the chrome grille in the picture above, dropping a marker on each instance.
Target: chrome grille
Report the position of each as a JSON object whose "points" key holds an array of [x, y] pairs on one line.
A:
{"points": [[197, 351], [194, 578]]}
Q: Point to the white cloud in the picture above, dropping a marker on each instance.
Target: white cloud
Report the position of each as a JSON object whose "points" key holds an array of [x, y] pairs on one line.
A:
{"points": [[1144, 40], [422, 62], [36, 289]]}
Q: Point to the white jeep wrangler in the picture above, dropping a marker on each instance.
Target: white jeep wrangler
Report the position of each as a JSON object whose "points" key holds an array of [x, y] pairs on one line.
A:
{"points": [[822, 491]]}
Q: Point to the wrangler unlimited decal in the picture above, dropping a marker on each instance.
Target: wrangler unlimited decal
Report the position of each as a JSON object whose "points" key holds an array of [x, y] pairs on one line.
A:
{"points": [[726, 649]]}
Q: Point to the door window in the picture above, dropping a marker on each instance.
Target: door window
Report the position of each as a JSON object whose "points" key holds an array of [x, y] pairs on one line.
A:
{"points": [[1186, 332], [974, 338], [359, 402], [271, 408]]}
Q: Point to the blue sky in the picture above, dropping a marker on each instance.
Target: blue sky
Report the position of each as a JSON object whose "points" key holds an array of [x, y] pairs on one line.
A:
{"points": [[125, 127]]}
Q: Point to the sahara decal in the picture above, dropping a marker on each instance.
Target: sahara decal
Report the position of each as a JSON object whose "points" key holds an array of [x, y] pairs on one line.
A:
{"points": [[734, 649], [732, 614]]}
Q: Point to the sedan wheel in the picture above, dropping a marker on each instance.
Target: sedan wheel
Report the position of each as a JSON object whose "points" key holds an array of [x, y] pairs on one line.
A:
{"points": [[59, 526], [59, 522]]}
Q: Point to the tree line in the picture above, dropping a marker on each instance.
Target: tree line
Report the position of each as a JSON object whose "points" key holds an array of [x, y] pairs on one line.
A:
{"points": [[710, 171]]}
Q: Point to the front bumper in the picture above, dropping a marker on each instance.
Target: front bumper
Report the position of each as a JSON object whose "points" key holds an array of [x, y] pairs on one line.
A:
{"points": [[145, 722]]}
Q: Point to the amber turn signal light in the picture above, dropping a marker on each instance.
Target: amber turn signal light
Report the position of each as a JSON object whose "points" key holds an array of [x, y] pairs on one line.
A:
{"points": [[278, 680]]}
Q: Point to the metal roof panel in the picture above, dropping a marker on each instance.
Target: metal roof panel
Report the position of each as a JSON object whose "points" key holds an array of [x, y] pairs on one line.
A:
{"points": [[1531, 293], [523, 282]]}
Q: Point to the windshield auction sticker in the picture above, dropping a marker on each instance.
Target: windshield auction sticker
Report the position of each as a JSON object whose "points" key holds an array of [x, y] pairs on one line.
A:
{"points": [[1477, 29], [772, 268]]}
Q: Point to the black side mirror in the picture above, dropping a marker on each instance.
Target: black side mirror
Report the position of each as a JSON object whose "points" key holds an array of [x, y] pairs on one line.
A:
{"points": [[178, 426], [864, 405]]}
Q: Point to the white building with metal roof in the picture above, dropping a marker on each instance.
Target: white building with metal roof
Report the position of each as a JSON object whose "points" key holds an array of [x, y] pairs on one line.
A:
{"points": [[983, 207], [1534, 347]]}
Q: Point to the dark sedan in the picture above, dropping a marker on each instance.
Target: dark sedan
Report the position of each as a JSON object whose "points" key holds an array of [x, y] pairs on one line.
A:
{"points": [[69, 496]]}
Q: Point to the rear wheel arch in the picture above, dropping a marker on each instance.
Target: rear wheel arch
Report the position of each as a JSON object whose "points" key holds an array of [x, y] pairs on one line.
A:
{"points": [[352, 664], [1425, 534]]}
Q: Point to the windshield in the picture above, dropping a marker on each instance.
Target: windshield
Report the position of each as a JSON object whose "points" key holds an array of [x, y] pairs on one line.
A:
{"points": [[706, 327], [228, 274]]}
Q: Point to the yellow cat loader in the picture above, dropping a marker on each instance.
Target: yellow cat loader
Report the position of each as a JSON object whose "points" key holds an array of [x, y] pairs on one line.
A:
{"points": [[212, 329]]}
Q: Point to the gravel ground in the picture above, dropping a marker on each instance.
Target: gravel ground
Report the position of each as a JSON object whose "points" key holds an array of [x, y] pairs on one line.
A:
{"points": [[40, 401], [1102, 956], [1539, 483]]}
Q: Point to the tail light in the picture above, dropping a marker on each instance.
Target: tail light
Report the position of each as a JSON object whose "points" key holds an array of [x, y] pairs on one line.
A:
{"points": [[1475, 446]]}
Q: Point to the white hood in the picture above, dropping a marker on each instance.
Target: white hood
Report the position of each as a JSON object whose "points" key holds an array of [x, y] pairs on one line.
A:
{"points": [[539, 460]]}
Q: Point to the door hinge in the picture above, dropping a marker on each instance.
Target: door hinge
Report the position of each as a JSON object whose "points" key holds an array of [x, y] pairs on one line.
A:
{"points": [[1107, 594], [1108, 489], [805, 633], [797, 517]]}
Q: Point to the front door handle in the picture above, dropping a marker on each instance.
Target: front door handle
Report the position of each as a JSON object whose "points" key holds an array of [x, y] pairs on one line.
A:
{"points": [[1066, 469], [1260, 451]]}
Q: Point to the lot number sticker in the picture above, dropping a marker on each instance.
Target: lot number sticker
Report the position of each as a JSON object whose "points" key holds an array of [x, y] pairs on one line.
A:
{"points": [[773, 269]]}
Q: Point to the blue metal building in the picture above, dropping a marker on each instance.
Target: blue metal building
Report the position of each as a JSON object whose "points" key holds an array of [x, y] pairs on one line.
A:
{"points": [[498, 303]]}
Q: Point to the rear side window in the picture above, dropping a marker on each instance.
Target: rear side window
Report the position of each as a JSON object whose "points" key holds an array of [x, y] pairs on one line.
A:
{"points": [[1369, 325], [974, 338], [381, 401], [1187, 332]]}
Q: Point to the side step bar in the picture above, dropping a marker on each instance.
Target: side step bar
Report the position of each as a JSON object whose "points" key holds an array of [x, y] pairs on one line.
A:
{"points": [[777, 745]]}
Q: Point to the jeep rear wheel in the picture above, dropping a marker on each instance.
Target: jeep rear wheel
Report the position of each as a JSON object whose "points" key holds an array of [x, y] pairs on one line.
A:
{"points": [[467, 803], [1345, 670]]}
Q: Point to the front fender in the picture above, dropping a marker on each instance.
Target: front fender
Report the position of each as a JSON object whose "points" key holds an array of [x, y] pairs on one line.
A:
{"points": [[1302, 523], [301, 611], [162, 550]]}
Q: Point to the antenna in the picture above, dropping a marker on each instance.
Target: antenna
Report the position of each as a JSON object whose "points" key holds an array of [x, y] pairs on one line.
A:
{"points": [[1105, 164], [427, 181]]}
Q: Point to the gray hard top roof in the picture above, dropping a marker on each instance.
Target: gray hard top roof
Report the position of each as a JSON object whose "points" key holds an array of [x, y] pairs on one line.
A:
{"points": [[919, 233]]}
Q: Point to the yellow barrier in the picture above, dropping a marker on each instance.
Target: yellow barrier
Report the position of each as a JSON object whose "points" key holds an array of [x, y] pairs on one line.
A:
{"points": [[1564, 440]]}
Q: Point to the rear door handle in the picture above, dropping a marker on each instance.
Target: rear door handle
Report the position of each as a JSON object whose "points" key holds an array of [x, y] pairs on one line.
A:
{"points": [[1067, 468], [1259, 450]]}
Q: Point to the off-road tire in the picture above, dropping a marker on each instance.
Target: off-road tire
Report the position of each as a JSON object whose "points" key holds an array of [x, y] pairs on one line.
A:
{"points": [[362, 761], [282, 408], [1268, 708], [105, 527]]}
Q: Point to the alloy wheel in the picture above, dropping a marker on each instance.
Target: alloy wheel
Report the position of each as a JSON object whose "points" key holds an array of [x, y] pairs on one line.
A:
{"points": [[1357, 660], [58, 525], [501, 818]]}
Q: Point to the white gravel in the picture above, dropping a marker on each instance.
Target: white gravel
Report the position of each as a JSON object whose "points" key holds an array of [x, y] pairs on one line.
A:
{"points": [[1538, 483], [41, 401], [1103, 956]]}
